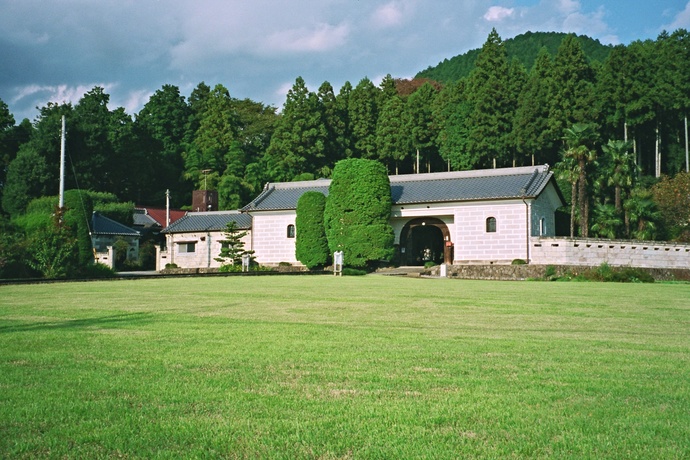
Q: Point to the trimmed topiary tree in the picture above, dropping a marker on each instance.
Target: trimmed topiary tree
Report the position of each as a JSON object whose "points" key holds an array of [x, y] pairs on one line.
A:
{"points": [[311, 245], [358, 210]]}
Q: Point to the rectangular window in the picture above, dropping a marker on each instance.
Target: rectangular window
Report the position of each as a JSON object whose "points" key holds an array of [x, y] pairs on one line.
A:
{"points": [[187, 247]]}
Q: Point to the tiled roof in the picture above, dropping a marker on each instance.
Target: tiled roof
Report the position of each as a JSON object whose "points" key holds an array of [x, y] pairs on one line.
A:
{"points": [[150, 217], [101, 225], [142, 219], [488, 184], [209, 221]]}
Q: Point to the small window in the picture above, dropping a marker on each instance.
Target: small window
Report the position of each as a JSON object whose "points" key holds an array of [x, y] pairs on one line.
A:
{"points": [[187, 247], [491, 225], [542, 226], [290, 231]]}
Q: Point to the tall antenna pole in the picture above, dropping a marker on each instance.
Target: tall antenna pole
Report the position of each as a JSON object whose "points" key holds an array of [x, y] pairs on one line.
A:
{"points": [[167, 208], [61, 200]]}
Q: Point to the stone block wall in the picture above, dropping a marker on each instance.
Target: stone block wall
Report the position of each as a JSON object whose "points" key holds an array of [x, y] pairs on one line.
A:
{"points": [[594, 252], [473, 244], [208, 247], [274, 246], [525, 272]]}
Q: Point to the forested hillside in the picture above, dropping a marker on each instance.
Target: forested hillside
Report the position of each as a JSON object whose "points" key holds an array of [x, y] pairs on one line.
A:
{"points": [[524, 48], [611, 120]]}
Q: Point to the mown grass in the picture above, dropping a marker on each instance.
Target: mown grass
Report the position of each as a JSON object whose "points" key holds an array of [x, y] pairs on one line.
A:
{"points": [[353, 367]]}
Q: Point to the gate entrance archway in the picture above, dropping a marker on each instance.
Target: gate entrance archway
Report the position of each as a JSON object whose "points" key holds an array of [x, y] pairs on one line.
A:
{"points": [[425, 239]]}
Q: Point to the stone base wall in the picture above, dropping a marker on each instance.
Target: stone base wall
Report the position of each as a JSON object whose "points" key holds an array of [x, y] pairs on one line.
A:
{"points": [[524, 272]]}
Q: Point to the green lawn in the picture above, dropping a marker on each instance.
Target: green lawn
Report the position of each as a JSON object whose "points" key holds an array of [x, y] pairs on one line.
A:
{"points": [[352, 367]]}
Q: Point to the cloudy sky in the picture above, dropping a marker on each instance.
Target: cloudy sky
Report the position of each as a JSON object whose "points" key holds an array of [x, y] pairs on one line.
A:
{"points": [[56, 50]]}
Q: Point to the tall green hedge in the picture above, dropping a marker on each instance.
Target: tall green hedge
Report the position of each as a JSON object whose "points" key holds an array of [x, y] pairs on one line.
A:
{"points": [[358, 211], [311, 245], [79, 208]]}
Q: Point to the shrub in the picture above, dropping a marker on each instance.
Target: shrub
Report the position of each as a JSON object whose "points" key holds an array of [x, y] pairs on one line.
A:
{"points": [[357, 212], [311, 245], [78, 217], [518, 262], [170, 265], [550, 273], [429, 264], [347, 271], [98, 270]]}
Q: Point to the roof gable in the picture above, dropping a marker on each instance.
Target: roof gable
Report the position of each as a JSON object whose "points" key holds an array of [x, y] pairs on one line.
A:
{"points": [[209, 222], [457, 186], [101, 225], [150, 217]]}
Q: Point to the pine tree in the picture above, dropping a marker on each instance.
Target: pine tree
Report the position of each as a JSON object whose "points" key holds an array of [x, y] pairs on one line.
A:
{"points": [[489, 123], [392, 138], [299, 142], [572, 93], [363, 112], [532, 114], [232, 250]]}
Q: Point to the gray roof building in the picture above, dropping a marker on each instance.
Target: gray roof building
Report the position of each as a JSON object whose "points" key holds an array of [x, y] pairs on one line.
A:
{"points": [[456, 186], [101, 225], [209, 222]]}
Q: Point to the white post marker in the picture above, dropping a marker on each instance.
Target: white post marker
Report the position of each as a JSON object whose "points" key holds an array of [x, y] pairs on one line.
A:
{"points": [[338, 263], [245, 262]]}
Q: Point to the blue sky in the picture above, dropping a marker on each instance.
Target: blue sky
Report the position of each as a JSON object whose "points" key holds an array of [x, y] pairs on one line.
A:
{"points": [[57, 50]]}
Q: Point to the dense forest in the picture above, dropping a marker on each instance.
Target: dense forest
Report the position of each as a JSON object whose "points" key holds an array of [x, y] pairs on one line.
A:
{"points": [[611, 120]]}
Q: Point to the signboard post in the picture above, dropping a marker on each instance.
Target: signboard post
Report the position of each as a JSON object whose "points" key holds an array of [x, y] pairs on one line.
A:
{"points": [[245, 262], [338, 263]]}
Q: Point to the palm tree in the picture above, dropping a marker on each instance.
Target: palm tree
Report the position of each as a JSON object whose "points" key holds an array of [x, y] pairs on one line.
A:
{"points": [[567, 170], [622, 169], [644, 212], [607, 221], [580, 140]]}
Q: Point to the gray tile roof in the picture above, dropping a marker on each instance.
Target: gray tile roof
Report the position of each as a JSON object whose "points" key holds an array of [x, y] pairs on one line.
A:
{"points": [[209, 221], [101, 225], [488, 184], [141, 219]]}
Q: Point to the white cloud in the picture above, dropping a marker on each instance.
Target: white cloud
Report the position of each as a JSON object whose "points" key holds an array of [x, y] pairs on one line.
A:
{"points": [[681, 21], [568, 6], [498, 13], [592, 24], [322, 37], [388, 15]]}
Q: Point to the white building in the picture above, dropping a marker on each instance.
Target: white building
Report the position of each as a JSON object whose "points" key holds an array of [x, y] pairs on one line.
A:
{"points": [[485, 216], [195, 240], [467, 217]]}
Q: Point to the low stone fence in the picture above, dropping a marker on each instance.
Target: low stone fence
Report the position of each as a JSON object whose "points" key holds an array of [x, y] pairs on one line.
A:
{"points": [[617, 253], [525, 272]]}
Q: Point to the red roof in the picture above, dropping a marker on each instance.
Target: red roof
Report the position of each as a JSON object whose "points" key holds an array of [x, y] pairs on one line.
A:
{"points": [[158, 215]]}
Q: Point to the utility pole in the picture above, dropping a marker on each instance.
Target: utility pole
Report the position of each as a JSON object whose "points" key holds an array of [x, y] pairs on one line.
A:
{"points": [[687, 163], [167, 208], [61, 194]]}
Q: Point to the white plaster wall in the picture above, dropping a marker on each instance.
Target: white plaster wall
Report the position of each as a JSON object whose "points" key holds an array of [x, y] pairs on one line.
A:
{"points": [[271, 244], [474, 245], [401, 217], [543, 207], [208, 246], [594, 252]]}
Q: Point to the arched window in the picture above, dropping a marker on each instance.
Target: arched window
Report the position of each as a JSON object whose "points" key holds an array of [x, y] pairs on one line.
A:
{"points": [[491, 225], [290, 231]]}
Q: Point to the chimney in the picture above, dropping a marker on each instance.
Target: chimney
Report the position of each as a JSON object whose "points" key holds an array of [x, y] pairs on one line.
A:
{"points": [[204, 200]]}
